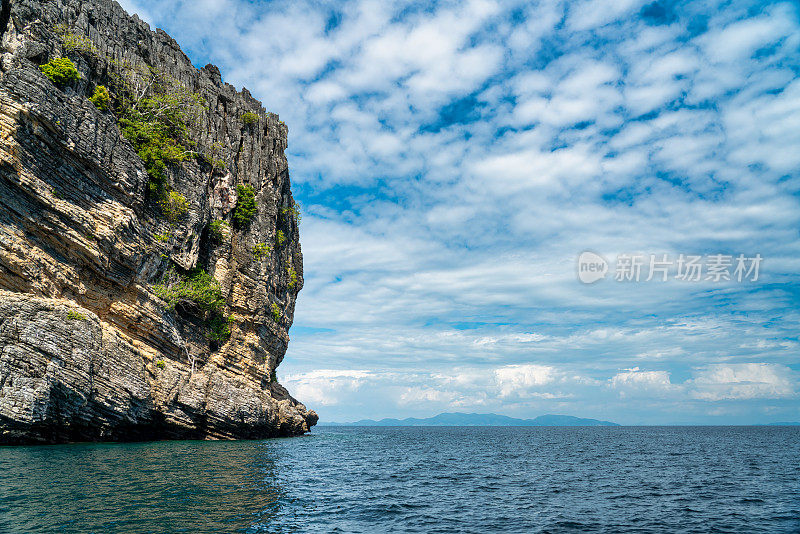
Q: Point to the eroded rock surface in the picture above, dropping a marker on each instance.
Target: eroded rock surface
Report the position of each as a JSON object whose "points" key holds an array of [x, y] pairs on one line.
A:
{"points": [[88, 351]]}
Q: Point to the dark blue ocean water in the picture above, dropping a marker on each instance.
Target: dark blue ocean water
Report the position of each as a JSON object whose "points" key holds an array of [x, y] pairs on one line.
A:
{"points": [[601, 479]]}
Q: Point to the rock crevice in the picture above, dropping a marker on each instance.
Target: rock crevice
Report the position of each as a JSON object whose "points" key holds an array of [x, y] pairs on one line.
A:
{"points": [[5, 16]]}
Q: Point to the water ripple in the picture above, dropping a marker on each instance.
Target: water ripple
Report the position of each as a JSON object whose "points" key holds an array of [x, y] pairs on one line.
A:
{"points": [[541, 480]]}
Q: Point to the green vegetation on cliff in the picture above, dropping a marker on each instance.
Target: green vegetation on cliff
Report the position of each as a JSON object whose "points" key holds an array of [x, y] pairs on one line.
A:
{"points": [[75, 316], [216, 229], [156, 125], [155, 147], [246, 206], [219, 327], [101, 98], [260, 250], [249, 118], [293, 212], [201, 289], [74, 43], [60, 70], [174, 206], [154, 111]]}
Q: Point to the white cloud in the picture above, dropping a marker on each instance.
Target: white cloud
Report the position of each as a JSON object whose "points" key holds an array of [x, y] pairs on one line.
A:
{"points": [[593, 13], [325, 387], [638, 382], [765, 128], [744, 381], [428, 396], [714, 382], [519, 379], [739, 40]]}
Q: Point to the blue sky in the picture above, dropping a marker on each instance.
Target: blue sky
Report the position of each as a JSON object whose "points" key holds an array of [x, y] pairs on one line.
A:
{"points": [[454, 159]]}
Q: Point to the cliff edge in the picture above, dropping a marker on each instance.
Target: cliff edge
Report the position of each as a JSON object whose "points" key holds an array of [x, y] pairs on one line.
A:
{"points": [[149, 250]]}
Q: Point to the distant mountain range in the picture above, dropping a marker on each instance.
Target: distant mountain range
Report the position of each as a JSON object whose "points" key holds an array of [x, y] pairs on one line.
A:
{"points": [[479, 419]]}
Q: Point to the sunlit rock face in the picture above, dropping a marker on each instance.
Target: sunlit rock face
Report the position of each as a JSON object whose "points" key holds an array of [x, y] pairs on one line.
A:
{"points": [[88, 350]]}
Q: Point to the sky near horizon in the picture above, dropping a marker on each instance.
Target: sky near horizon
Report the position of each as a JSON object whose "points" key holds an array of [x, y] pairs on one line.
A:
{"points": [[453, 160]]}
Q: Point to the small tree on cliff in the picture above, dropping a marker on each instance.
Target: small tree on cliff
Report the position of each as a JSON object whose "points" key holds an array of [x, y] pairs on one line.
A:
{"points": [[246, 206]]}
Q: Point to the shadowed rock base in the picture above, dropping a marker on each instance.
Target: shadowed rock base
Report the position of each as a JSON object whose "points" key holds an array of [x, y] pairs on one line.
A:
{"points": [[66, 376]]}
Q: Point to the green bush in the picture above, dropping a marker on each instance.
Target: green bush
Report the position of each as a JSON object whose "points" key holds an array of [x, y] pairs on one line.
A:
{"points": [[216, 229], [60, 70], [245, 205], [204, 291], [166, 101], [198, 287], [249, 118], [292, 277], [281, 237], [155, 146], [160, 364], [154, 113], [276, 312], [75, 316], [219, 327], [101, 98], [260, 250], [175, 206], [273, 376]]}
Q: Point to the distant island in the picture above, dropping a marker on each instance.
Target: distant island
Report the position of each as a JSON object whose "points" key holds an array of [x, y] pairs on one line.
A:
{"points": [[479, 419]]}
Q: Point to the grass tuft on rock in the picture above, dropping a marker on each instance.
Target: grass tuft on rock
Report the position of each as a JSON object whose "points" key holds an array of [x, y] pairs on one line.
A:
{"points": [[75, 316]]}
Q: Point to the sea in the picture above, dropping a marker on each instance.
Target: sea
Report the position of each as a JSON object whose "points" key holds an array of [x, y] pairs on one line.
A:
{"points": [[415, 479]]}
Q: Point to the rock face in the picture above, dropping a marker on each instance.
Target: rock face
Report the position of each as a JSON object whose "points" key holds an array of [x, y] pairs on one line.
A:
{"points": [[88, 351]]}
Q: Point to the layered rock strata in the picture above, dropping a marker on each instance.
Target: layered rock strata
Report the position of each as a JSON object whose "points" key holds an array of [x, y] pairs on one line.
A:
{"points": [[88, 348]]}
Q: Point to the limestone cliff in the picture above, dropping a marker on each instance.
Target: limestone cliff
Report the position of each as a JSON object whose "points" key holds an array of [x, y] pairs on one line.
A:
{"points": [[91, 345]]}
